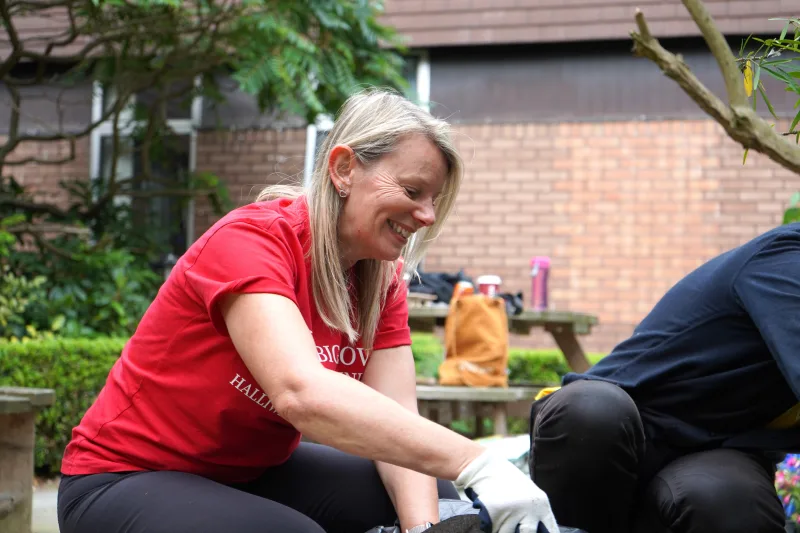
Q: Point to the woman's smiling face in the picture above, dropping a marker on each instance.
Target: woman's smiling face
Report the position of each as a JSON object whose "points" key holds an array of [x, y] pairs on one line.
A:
{"points": [[387, 200]]}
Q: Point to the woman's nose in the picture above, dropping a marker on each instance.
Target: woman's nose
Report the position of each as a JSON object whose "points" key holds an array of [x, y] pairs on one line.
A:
{"points": [[425, 213]]}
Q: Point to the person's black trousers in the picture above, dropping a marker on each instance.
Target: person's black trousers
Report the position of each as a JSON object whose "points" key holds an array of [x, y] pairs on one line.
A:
{"points": [[590, 456], [318, 490]]}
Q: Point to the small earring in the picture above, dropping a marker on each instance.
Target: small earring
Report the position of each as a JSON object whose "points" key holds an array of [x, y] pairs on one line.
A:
{"points": [[343, 193]]}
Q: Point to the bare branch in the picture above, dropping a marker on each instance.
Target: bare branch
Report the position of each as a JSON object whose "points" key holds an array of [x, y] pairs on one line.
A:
{"points": [[40, 161], [22, 5], [144, 29], [13, 125], [47, 246], [722, 52], [740, 122], [16, 45], [172, 193], [36, 208], [72, 35], [63, 229], [642, 24]]}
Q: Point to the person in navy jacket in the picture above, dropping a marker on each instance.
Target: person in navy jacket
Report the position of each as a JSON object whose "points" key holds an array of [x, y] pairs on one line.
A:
{"points": [[680, 427]]}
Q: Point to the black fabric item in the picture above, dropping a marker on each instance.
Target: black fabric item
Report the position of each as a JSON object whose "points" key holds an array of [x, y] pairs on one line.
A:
{"points": [[458, 524], [590, 455], [514, 303], [471, 524], [318, 490], [440, 284]]}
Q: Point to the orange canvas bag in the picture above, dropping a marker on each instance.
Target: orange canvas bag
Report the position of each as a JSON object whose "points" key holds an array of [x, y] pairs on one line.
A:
{"points": [[476, 342]]}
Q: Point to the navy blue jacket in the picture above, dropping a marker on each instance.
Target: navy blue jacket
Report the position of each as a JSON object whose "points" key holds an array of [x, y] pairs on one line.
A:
{"points": [[717, 360]]}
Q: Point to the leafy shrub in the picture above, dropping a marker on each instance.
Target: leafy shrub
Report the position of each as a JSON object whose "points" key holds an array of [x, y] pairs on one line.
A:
{"points": [[75, 368], [540, 367], [94, 292], [428, 354], [526, 367], [16, 294]]}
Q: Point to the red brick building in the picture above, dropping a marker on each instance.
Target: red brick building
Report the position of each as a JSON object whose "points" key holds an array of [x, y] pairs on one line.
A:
{"points": [[575, 149]]}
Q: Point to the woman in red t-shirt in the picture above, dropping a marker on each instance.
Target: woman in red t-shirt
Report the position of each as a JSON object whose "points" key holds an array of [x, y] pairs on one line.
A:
{"points": [[288, 317]]}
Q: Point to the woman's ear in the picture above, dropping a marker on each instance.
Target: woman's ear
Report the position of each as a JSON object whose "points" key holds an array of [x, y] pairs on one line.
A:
{"points": [[341, 165]]}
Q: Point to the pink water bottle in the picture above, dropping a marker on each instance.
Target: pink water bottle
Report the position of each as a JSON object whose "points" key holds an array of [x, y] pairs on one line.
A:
{"points": [[540, 268]]}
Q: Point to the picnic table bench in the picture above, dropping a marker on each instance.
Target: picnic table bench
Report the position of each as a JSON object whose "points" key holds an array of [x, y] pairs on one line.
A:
{"points": [[18, 410], [564, 326], [444, 403]]}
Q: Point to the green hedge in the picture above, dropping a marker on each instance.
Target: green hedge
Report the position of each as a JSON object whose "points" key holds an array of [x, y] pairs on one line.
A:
{"points": [[75, 368]]}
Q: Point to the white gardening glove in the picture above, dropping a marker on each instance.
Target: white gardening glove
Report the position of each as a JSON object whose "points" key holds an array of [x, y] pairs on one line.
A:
{"points": [[507, 500]]}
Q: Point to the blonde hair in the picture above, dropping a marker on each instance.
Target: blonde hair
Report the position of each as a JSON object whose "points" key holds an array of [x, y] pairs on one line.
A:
{"points": [[371, 123]]}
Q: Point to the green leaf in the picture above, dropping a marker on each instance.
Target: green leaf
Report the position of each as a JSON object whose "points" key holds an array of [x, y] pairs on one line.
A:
{"points": [[795, 121], [744, 159], [58, 323], [766, 100], [791, 215], [757, 75]]}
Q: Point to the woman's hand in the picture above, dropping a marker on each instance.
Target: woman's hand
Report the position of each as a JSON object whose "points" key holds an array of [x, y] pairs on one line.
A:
{"points": [[506, 498]]}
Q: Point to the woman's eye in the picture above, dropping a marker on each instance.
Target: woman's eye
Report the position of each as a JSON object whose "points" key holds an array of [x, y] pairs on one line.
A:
{"points": [[412, 193]]}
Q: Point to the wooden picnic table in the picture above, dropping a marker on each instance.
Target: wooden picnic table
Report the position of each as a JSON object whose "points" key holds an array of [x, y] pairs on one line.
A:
{"points": [[443, 404], [564, 326], [18, 410]]}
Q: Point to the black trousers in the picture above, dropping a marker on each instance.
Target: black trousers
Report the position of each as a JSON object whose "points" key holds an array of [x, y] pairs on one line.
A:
{"points": [[317, 490], [590, 455]]}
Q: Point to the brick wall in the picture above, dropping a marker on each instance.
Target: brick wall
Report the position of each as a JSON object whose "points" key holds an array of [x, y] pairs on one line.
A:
{"points": [[624, 209], [43, 179], [247, 161]]}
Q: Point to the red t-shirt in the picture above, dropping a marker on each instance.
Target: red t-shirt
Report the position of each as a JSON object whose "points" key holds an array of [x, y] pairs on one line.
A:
{"points": [[180, 397]]}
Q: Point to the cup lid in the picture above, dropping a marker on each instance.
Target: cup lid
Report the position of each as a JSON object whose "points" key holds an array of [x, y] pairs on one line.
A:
{"points": [[541, 260], [489, 279]]}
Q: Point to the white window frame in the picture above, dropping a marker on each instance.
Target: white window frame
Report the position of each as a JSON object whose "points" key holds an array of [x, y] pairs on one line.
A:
{"points": [[324, 123], [127, 124]]}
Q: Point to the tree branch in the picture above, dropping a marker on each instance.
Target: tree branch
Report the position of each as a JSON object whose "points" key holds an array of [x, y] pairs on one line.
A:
{"points": [[740, 122], [36, 208], [172, 193], [20, 6], [47, 246], [40, 161], [39, 229], [722, 52], [16, 44]]}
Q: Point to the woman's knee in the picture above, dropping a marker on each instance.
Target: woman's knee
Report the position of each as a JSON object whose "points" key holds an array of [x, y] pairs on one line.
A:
{"points": [[588, 410], [693, 495], [165, 502]]}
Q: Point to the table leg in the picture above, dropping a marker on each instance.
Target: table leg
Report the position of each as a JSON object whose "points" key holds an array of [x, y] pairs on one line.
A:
{"points": [[479, 421], [570, 347], [500, 418], [423, 407]]}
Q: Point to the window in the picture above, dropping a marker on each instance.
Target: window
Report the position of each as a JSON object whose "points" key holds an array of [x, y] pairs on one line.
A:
{"points": [[417, 72], [172, 168]]}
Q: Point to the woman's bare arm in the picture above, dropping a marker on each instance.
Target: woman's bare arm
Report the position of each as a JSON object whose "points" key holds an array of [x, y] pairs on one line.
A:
{"points": [[414, 495], [271, 336]]}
